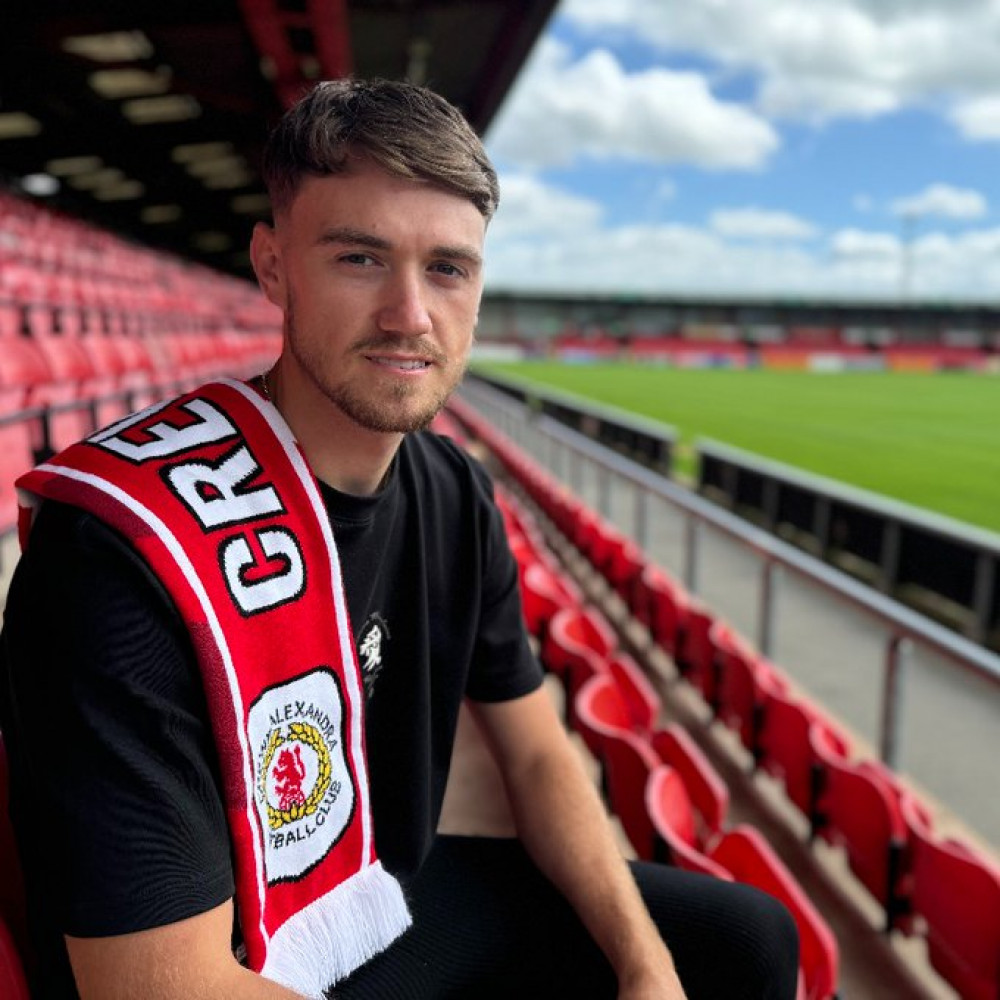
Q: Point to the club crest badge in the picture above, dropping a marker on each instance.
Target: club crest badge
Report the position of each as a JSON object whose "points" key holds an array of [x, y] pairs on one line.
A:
{"points": [[303, 790]]}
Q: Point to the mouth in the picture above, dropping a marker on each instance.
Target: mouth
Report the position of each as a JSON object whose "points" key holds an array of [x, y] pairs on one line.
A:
{"points": [[400, 364]]}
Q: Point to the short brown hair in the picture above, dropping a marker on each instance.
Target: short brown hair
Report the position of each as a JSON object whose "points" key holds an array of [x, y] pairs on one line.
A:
{"points": [[407, 130]]}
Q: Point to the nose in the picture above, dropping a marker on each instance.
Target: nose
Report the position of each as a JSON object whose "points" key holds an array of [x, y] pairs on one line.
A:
{"points": [[403, 309]]}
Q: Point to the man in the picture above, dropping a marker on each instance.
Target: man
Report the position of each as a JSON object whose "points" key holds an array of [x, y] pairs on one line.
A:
{"points": [[123, 774]]}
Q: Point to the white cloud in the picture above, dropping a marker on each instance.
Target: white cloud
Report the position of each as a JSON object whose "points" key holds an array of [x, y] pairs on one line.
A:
{"points": [[527, 205], [817, 98], [826, 58], [859, 243], [979, 119], [666, 259], [944, 201], [758, 223], [560, 110]]}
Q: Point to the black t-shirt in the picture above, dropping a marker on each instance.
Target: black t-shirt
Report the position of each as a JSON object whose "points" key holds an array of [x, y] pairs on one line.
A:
{"points": [[114, 781]]}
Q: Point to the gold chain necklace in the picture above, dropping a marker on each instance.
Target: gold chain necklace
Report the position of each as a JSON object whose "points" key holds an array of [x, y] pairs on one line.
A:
{"points": [[265, 387]]}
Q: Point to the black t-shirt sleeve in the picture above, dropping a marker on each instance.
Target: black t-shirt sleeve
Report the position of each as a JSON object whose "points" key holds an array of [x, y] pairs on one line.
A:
{"points": [[503, 665], [114, 786]]}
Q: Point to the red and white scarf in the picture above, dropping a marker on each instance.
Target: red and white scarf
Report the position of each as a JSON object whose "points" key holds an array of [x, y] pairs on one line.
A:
{"points": [[213, 491]]}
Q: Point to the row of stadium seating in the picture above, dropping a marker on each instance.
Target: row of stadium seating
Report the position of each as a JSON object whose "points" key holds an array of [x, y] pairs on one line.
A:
{"points": [[797, 354], [54, 392], [671, 803], [93, 327], [940, 888]]}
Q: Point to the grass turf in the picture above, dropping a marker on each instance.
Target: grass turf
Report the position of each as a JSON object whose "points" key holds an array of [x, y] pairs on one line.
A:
{"points": [[931, 440]]}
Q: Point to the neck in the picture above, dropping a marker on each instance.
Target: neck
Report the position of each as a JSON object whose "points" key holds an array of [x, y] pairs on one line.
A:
{"points": [[342, 454]]}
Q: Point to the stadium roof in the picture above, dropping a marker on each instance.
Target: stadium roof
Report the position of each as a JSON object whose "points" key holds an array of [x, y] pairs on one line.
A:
{"points": [[151, 114]]}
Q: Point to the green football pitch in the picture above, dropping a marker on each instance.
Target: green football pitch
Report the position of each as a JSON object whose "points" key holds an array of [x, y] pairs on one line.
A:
{"points": [[931, 440]]}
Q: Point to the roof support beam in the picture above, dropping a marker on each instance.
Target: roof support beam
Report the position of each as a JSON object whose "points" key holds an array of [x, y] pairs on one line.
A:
{"points": [[326, 22]]}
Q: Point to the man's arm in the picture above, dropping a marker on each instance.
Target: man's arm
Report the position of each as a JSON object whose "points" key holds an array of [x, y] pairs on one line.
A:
{"points": [[191, 959], [563, 826]]}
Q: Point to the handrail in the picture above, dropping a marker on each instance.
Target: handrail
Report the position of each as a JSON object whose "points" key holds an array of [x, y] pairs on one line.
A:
{"points": [[900, 622]]}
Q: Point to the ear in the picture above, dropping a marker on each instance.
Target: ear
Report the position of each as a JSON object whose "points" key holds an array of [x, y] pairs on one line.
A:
{"points": [[265, 253]]}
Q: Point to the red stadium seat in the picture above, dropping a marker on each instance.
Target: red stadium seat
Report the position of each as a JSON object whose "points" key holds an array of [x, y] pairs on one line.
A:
{"points": [[70, 370], [786, 748], [752, 860], [138, 372], [626, 758], [858, 809], [695, 656], [584, 530], [641, 700], [615, 556], [678, 836], [707, 791], [742, 678], [576, 646], [23, 367], [16, 458], [956, 893], [109, 365], [544, 592], [661, 604], [744, 855]]}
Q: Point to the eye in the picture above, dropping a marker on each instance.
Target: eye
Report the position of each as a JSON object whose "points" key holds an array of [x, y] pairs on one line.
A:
{"points": [[358, 259], [447, 269]]}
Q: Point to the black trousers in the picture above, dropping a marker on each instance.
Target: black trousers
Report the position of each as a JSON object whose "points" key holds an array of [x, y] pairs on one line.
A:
{"points": [[487, 924]]}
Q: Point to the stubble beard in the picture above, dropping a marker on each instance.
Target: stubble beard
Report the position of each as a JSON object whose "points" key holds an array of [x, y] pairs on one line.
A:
{"points": [[388, 413]]}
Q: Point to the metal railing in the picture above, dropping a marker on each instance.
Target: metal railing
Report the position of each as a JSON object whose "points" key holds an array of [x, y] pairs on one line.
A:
{"points": [[573, 458]]}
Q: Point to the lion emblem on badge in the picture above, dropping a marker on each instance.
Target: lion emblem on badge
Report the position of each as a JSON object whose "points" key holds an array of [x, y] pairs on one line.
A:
{"points": [[286, 786]]}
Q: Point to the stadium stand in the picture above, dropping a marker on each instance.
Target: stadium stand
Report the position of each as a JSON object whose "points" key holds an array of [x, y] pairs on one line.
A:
{"points": [[664, 794], [80, 345], [92, 327]]}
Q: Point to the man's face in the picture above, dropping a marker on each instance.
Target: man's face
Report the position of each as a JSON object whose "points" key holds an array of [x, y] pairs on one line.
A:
{"points": [[380, 279]]}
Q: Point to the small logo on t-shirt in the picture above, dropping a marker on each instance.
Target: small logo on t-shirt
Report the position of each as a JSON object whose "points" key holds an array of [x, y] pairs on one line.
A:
{"points": [[302, 788], [371, 650]]}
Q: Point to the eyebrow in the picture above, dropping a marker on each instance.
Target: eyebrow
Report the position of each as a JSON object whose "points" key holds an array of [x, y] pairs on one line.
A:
{"points": [[347, 236]]}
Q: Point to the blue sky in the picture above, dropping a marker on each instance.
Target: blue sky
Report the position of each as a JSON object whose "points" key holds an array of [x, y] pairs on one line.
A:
{"points": [[845, 149]]}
